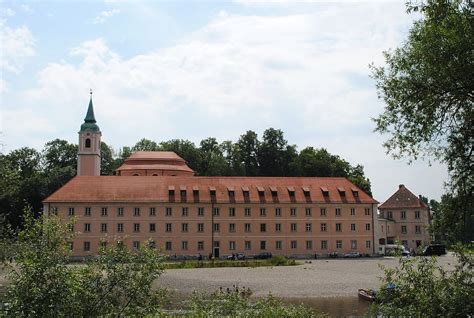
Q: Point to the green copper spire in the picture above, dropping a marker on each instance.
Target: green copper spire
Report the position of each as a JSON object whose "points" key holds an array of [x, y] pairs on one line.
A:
{"points": [[89, 121]]}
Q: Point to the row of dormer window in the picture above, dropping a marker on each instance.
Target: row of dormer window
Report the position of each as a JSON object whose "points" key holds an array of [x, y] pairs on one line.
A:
{"points": [[403, 214]]}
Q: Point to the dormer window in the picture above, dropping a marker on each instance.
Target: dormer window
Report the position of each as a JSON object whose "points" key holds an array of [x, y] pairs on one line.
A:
{"points": [[246, 193], [325, 191], [195, 191], [355, 192], [342, 191], [306, 191], [261, 191], [231, 192], [171, 191], [182, 192], [212, 191], [88, 143], [274, 191]]}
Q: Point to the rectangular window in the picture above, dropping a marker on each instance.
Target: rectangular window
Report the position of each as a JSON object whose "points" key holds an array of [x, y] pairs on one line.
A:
{"points": [[248, 211], [184, 211], [120, 227], [104, 211], [216, 227], [308, 227], [309, 245], [293, 227], [278, 245], [403, 215], [136, 211], [231, 245], [103, 227], [277, 211], [417, 215], [136, 227], [248, 245], [308, 211], [231, 212], [136, 245], [184, 227], [263, 212], [278, 227], [87, 227], [200, 211], [324, 245], [263, 245], [169, 211], [353, 244], [87, 246], [367, 244], [168, 246], [323, 227], [152, 227], [168, 227], [404, 229], [338, 244], [71, 211], [293, 212], [353, 211], [263, 227], [338, 211], [87, 211], [232, 227], [200, 227], [323, 211], [294, 244], [353, 227], [338, 227], [248, 227], [389, 215], [417, 229], [367, 226], [152, 211], [200, 245], [184, 245], [119, 211], [367, 211], [215, 211]]}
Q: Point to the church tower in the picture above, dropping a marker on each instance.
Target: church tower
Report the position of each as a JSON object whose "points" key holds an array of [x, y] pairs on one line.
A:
{"points": [[88, 158]]}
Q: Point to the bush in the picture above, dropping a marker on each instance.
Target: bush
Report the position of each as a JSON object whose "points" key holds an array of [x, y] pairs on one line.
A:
{"points": [[43, 284], [426, 289]]}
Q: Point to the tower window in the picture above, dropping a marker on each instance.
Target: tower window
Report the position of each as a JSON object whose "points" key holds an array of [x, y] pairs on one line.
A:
{"points": [[88, 143]]}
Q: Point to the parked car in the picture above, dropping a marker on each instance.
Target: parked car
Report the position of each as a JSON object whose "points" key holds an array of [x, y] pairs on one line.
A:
{"points": [[240, 256], [263, 255], [352, 255], [434, 249], [333, 255]]}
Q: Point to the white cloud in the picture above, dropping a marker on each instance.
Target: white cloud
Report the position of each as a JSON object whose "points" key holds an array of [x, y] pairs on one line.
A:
{"points": [[16, 45], [104, 15], [304, 73]]}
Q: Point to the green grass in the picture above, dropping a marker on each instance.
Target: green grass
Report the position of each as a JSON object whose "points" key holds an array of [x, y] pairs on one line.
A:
{"points": [[274, 261]]}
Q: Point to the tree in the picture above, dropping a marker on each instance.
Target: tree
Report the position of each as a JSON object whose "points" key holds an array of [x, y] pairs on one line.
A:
{"points": [[186, 150], [213, 162], [44, 284], [107, 162], [248, 146], [145, 145], [271, 153], [425, 289], [428, 88], [59, 154]]}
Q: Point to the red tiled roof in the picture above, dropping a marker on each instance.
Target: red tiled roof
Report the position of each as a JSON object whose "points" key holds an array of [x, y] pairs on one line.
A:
{"points": [[148, 189], [154, 155], [127, 166], [403, 198]]}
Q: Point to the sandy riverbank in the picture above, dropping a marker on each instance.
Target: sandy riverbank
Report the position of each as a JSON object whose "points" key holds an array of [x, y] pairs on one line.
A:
{"points": [[320, 278]]}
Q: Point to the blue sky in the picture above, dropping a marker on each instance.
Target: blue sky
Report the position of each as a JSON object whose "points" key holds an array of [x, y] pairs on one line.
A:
{"points": [[194, 69]]}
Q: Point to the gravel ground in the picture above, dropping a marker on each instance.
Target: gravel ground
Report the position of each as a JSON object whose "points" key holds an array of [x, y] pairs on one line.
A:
{"points": [[320, 278]]}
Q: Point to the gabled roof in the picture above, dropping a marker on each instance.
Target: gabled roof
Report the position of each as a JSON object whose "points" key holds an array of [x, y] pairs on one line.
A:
{"points": [[155, 189], [403, 198]]}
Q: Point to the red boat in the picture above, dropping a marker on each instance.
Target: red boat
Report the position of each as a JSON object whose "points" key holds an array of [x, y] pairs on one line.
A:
{"points": [[368, 295]]}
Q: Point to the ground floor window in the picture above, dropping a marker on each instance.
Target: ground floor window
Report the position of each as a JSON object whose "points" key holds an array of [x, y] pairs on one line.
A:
{"points": [[248, 245], [278, 245], [367, 244], [309, 245], [294, 244], [338, 244], [324, 245], [353, 244], [263, 245], [168, 246]]}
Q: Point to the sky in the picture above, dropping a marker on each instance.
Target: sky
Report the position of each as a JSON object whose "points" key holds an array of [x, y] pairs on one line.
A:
{"points": [[195, 69]]}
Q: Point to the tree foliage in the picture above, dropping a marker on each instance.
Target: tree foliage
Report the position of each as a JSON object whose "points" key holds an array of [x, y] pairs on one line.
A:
{"points": [[44, 284], [425, 289], [428, 89]]}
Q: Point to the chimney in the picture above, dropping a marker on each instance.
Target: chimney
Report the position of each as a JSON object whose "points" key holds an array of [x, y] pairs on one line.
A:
{"points": [[401, 186]]}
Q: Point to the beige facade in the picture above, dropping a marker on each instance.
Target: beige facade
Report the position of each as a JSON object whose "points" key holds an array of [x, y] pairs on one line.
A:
{"points": [[405, 219]]}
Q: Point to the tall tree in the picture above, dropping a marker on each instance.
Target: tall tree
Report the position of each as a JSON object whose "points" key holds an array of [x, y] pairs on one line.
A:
{"points": [[107, 161], [185, 149], [145, 145], [271, 153], [248, 146], [428, 88]]}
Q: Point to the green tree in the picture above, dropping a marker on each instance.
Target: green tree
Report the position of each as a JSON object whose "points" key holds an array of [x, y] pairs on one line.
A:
{"points": [[107, 161], [428, 88], [186, 150], [213, 162], [424, 289], [248, 145], [59, 154], [271, 153], [42, 283], [146, 145], [231, 153]]}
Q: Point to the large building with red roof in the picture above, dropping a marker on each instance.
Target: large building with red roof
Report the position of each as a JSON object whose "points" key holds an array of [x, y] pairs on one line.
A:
{"points": [[156, 199]]}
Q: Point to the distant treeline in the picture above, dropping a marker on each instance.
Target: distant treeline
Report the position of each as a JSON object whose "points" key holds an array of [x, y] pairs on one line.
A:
{"points": [[27, 176]]}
